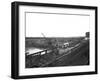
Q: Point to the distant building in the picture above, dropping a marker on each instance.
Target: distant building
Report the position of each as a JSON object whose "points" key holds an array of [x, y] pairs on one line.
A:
{"points": [[87, 35]]}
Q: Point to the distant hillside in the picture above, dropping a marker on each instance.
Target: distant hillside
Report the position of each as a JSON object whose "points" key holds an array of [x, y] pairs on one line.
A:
{"points": [[43, 43]]}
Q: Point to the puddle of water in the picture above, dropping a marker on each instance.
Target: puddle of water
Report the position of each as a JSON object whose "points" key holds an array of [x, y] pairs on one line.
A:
{"points": [[33, 50]]}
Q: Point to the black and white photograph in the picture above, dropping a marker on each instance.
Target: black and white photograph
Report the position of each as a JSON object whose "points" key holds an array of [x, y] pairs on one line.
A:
{"points": [[57, 39], [53, 40]]}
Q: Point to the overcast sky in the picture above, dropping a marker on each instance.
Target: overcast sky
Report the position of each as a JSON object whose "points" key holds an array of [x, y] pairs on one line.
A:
{"points": [[56, 25]]}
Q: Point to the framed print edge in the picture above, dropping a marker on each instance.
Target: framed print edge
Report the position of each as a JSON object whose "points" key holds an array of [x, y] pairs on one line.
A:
{"points": [[96, 40], [15, 39]]}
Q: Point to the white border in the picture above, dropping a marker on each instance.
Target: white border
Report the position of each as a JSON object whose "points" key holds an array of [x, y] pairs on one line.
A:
{"points": [[50, 70]]}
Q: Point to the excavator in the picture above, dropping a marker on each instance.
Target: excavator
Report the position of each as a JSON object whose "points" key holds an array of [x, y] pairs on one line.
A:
{"points": [[57, 47]]}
